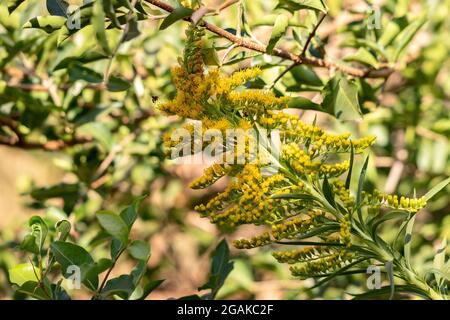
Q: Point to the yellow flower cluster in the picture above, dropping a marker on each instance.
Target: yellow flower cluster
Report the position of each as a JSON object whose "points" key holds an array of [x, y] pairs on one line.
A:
{"points": [[246, 200], [323, 265], [396, 202], [345, 231], [334, 170], [290, 228], [300, 255], [343, 193], [257, 241], [210, 176], [292, 129], [225, 85], [256, 102]]}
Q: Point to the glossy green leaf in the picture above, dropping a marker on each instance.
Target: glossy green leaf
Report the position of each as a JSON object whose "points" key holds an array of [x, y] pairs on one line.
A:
{"points": [[362, 178], [303, 104], [439, 262], [220, 268], [122, 286], [139, 250], [63, 228], [98, 21], [57, 7], [341, 99], [306, 75], [130, 213], [440, 186], [22, 273], [149, 287], [116, 84], [114, 225], [72, 257], [328, 192], [408, 240], [406, 35], [177, 14], [279, 29]]}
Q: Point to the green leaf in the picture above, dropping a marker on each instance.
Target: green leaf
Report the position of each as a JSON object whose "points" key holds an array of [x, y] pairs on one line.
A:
{"points": [[122, 286], [363, 56], [114, 225], [439, 262], [362, 177], [405, 37], [337, 272], [390, 273], [14, 4], [348, 180], [220, 268], [149, 287], [392, 30], [130, 213], [55, 191], [328, 192], [22, 273], [303, 104], [279, 29], [33, 290], [116, 248], [386, 217], [294, 5], [39, 230], [319, 231], [341, 99], [69, 255], [100, 132], [306, 75], [108, 9], [133, 30], [138, 272], [177, 14], [46, 23], [139, 250], [385, 291], [408, 240], [79, 72], [83, 59], [98, 22], [116, 84], [57, 7], [63, 228], [430, 194], [29, 243]]}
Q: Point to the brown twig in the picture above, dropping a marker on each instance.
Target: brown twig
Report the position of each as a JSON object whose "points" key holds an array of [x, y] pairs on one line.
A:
{"points": [[312, 34], [284, 54]]}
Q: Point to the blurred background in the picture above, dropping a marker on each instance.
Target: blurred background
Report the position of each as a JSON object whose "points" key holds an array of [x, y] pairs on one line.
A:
{"points": [[48, 90]]}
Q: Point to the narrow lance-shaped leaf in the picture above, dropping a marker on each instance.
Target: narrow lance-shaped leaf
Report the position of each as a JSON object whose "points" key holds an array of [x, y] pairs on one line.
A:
{"points": [[408, 240], [98, 22], [177, 14], [279, 29], [430, 194]]}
